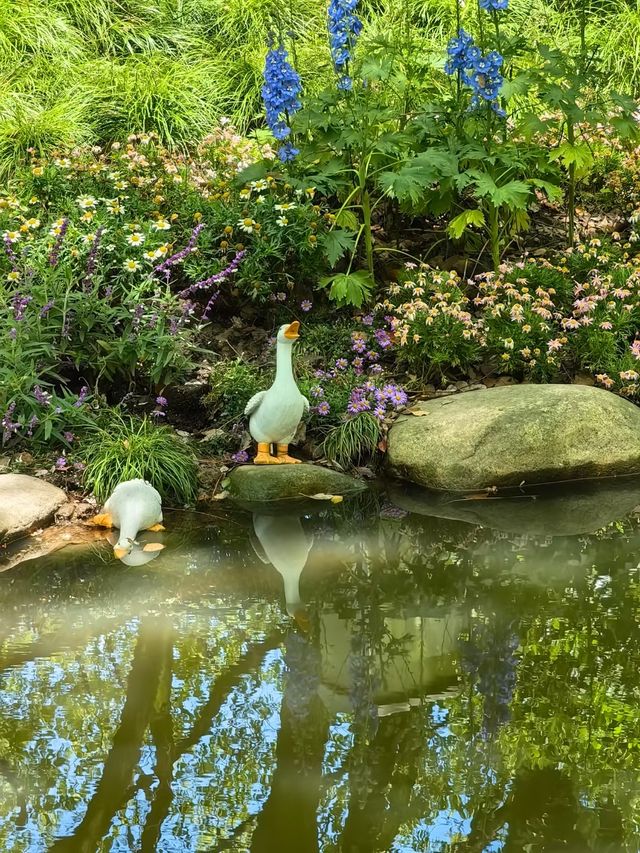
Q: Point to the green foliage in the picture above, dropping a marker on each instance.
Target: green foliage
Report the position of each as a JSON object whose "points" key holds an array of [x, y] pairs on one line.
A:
{"points": [[125, 448], [352, 441], [233, 383]]}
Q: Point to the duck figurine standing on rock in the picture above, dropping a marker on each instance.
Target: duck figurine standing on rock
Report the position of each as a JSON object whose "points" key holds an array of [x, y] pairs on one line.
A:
{"points": [[274, 415], [134, 505]]}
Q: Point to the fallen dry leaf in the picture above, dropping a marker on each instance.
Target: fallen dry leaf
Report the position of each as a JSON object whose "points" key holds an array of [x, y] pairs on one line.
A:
{"points": [[321, 496]]}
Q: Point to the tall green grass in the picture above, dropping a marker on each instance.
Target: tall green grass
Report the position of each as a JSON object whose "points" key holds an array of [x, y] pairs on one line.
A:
{"points": [[100, 69]]}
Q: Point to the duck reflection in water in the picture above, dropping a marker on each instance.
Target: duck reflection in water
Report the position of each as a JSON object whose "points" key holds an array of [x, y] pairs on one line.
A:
{"points": [[140, 553], [281, 541]]}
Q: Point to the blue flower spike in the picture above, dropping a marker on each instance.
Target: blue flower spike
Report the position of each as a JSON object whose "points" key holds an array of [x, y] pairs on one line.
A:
{"points": [[280, 93]]}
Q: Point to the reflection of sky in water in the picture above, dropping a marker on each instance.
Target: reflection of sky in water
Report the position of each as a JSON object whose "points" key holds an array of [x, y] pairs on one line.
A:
{"points": [[503, 618]]}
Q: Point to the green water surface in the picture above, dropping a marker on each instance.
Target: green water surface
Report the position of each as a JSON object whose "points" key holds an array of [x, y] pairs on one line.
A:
{"points": [[394, 673]]}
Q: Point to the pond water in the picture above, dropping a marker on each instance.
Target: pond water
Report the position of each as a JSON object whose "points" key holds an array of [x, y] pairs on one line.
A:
{"points": [[393, 673]]}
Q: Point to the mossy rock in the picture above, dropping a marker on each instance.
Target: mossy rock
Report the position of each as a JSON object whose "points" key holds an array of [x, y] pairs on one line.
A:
{"points": [[260, 483], [520, 434]]}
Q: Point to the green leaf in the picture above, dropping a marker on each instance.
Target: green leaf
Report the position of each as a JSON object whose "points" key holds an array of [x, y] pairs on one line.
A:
{"points": [[347, 219], [577, 154], [463, 221], [254, 172], [349, 288], [514, 194], [411, 181], [552, 191], [335, 243]]}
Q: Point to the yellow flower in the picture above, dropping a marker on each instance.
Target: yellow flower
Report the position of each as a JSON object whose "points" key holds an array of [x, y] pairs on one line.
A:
{"points": [[228, 229], [282, 221], [130, 265], [24, 228], [173, 217], [14, 275], [38, 171], [33, 200], [149, 256], [158, 199], [88, 238], [247, 225], [87, 216], [161, 251], [244, 194], [86, 202], [197, 216]]}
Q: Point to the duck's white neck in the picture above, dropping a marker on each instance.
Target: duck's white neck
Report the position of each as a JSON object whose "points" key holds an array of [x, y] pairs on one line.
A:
{"points": [[128, 530], [284, 363]]}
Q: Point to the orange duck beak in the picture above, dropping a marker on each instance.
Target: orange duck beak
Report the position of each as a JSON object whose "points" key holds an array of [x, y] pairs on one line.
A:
{"points": [[293, 332]]}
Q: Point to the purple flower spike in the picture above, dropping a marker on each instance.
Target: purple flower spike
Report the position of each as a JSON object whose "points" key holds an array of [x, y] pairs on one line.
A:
{"points": [[55, 252], [10, 253], [165, 266], [82, 396], [214, 279], [91, 259]]}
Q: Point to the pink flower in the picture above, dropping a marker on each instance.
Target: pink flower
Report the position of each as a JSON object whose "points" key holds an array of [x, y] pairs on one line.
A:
{"points": [[554, 345], [606, 325], [635, 349], [306, 305]]}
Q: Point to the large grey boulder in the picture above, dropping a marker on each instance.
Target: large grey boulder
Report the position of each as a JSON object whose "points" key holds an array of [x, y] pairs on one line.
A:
{"points": [[516, 434], [259, 483], [26, 503]]}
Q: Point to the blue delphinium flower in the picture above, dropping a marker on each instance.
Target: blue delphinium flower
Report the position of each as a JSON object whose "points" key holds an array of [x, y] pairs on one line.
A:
{"points": [[344, 29], [280, 94], [480, 73], [486, 81], [494, 5], [462, 53]]}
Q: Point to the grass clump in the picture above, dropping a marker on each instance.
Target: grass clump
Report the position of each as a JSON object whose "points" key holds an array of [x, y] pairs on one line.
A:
{"points": [[126, 448], [354, 440]]}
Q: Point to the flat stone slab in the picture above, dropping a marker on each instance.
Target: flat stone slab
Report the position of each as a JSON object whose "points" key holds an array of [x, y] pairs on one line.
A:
{"points": [[259, 483], [26, 503], [516, 434]]}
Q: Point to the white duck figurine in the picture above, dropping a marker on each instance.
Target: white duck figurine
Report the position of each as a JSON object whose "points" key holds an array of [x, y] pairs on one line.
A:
{"points": [[285, 545], [134, 505], [274, 414]]}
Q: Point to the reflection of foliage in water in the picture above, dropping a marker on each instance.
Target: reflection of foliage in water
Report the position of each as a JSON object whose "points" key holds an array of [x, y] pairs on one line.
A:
{"points": [[559, 768], [487, 657]]}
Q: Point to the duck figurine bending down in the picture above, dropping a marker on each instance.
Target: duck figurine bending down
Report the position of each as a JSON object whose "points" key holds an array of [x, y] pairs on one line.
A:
{"points": [[134, 505], [274, 414]]}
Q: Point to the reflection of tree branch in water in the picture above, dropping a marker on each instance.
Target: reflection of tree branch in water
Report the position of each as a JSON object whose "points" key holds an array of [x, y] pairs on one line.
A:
{"points": [[13, 779], [287, 822], [119, 766], [392, 758], [169, 752], [147, 704], [221, 689], [63, 640], [162, 733]]}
